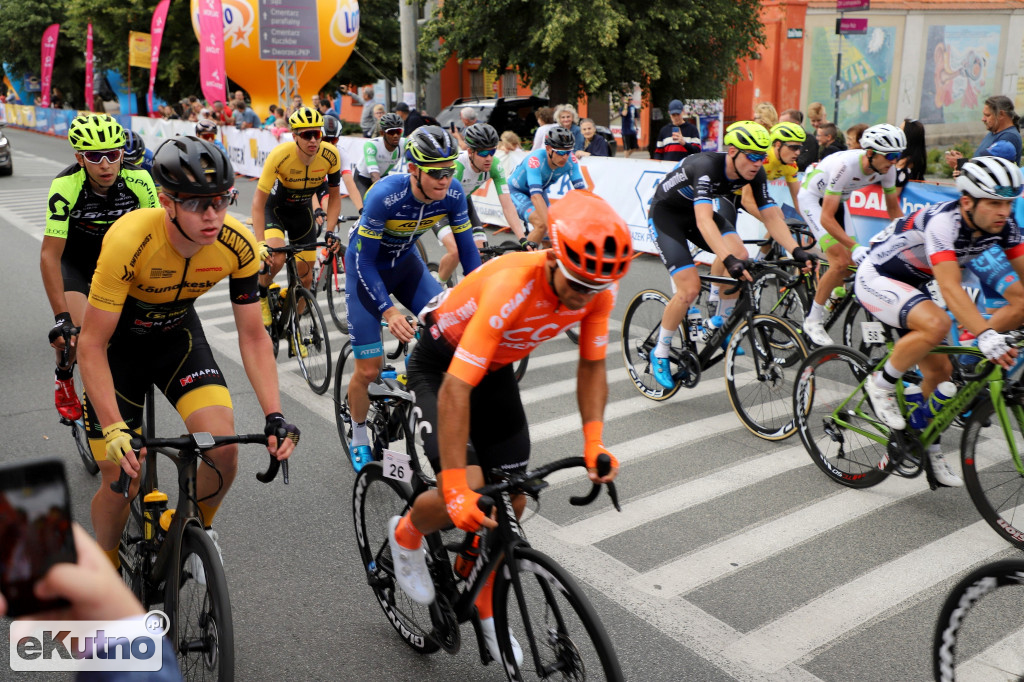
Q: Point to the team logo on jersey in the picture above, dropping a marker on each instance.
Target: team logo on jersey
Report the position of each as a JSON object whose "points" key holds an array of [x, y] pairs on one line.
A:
{"points": [[534, 162]]}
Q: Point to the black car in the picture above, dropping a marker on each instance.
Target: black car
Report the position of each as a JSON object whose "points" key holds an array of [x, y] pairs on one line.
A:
{"points": [[517, 114], [6, 162]]}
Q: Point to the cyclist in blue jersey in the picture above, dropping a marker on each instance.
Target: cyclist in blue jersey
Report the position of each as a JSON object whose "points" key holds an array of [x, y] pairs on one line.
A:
{"points": [[381, 260], [539, 170], [135, 151]]}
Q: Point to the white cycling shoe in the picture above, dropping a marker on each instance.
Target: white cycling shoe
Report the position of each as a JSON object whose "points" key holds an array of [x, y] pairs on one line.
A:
{"points": [[491, 640], [815, 330], [943, 473], [194, 566], [884, 404], [411, 570]]}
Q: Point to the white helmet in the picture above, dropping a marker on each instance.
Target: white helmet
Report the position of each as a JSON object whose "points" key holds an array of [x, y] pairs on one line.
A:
{"points": [[989, 177], [884, 138]]}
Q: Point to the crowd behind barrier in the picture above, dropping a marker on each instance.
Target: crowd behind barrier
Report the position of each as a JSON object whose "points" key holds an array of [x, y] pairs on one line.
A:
{"points": [[627, 184]]}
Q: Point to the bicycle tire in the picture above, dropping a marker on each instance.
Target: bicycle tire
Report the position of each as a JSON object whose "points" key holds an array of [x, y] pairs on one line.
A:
{"points": [[979, 631], [569, 637], [84, 452], [640, 326], [130, 551], [519, 368], [201, 628], [788, 303], [760, 382], [827, 378], [375, 499], [310, 333], [336, 302], [342, 418], [993, 482]]}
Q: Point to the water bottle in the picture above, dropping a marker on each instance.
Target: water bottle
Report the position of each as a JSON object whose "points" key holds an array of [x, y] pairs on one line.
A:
{"points": [[837, 295], [154, 504], [388, 373], [693, 323], [467, 556], [968, 339], [710, 325], [917, 413], [942, 394]]}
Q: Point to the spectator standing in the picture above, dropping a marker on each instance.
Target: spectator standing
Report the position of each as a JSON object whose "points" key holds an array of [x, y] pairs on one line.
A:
{"points": [[809, 153], [828, 140], [545, 122], [239, 96], [853, 134], [566, 116], [1002, 123], [467, 117], [221, 114], [510, 152], [629, 125], [245, 117], [766, 115], [367, 120], [593, 144], [678, 138], [913, 162], [412, 118]]}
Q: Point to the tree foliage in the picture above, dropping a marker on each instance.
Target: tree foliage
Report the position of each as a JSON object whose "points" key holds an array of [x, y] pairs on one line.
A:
{"points": [[379, 43], [21, 33], [590, 46]]}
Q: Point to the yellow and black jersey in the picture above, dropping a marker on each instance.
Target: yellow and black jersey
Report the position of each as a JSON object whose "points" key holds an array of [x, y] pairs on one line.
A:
{"points": [[287, 179], [141, 276]]}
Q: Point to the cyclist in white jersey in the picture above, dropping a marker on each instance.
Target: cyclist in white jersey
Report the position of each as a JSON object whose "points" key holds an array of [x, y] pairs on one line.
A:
{"points": [[826, 188], [474, 167], [382, 154]]}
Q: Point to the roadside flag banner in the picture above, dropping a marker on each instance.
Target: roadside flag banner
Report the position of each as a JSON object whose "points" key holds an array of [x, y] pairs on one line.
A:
{"points": [[49, 52], [212, 75], [88, 67], [157, 35], [138, 49]]}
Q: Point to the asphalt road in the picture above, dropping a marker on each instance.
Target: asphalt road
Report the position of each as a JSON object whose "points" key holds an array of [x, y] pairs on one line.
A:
{"points": [[733, 558]]}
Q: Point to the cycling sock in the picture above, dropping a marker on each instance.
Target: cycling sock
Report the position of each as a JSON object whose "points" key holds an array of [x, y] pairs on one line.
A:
{"points": [[64, 374], [661, 349], [484, 600], [817, 311], [359, 436], [206, 512], [725, 307], [113, 556], [713, 296], [407, 535], [888, 377]]}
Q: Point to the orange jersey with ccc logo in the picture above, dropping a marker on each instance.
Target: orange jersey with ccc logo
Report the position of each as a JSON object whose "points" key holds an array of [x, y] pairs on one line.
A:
{"points": [[505, 309]]}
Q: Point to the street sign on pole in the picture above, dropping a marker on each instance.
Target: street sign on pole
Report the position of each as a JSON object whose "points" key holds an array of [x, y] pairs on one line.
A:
{"points": [[853, 5], [849, 27]]}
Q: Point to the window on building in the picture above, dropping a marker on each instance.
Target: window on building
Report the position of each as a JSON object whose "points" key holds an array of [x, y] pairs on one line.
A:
{"points": [[508, 84], [476, 83]]}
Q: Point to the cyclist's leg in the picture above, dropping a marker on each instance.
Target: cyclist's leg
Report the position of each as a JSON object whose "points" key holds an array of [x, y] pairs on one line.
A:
{"points": [[450, 259], [302, 232], [273, 234], [839, 257], [367, 353], [725, 219]]}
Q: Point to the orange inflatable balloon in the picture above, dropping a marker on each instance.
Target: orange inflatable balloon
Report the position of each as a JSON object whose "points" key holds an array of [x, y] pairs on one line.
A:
{"points": [[318, 34]]}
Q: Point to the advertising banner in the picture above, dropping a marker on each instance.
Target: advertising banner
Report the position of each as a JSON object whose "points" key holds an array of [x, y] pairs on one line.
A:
{"points": [[212, 77], [157, 33], [48, 52], [88, 67], [139, 47]]}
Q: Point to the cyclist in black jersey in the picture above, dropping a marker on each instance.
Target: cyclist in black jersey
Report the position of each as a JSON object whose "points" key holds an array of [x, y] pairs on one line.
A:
{"points": [[85, 200], [697, 202]]}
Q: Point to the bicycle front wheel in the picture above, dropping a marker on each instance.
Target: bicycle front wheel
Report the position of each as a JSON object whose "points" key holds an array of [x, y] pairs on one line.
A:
{"points": [[772, 298], [640, 327], [334, 284], [342, 373], [558, 630], [84, 452], [201, 629], [760, 380], [375, 500], [834, 417], [980, 633], [310, 343], [519, 368], [993, 481]]}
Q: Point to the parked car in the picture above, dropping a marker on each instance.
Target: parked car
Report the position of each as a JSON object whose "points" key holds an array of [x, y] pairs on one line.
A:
{"points": [[517, 114], [6, 162], [604, 132]]}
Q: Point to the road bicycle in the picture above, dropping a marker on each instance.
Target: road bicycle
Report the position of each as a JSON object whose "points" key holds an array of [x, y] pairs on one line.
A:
{"points": [[78, 434], [761, 353], [163, 550], [980, 630], [534, 598], [853, 447], [329, 277], [296, 316]]}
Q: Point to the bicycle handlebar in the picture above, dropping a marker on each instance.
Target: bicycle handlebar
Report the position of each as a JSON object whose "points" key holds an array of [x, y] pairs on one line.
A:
{"points": [[201, 442], [67, 334], [530, 479]]}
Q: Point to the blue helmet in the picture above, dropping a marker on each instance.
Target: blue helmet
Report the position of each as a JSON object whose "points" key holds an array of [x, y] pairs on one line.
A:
{"points": [[134, 147]]}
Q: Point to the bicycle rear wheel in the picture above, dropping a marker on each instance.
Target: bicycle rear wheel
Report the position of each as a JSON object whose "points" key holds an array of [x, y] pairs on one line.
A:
{"points": [[980, 632], [342, 374], [760, 381], [640, 327], [834, 417], [82, 447], [375, 499], [771, 298], [995, 485], [201, 629], [554, 623], [310, 343], [519, 368]]}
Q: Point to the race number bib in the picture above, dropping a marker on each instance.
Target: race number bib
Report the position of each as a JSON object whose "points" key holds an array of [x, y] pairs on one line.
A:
{"points": [[872, 333], [396, 466]]}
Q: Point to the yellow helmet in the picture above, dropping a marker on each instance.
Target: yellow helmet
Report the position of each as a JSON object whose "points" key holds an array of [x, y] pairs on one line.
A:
{"points": [[787, 132], [304, 117], [748, 136], [95, 132]]}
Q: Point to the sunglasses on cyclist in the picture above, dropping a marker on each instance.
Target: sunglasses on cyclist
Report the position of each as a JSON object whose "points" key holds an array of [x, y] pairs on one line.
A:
{"points": [[111, 155], [755, 157], [892, 156], [331, 140], [200, 204], [394, 131], [562, 152], [438, 173], [209, 137], [485, 152], [309, 135], [578, 285], [795, 147]]}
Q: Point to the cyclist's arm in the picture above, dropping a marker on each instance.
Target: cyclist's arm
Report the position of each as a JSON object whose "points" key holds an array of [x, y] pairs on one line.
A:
{"points": [[948, 277], [97, 328], [334, 206], [794, 191], [453, 421], [704, 212], [777, 227], [576, 175], [53, 277], [462, 229], [540, 208], [508, 209], [370, 158], [748, 203], [259, 218], [353, 191], [829, 206], [142, 186], [892, 203]]}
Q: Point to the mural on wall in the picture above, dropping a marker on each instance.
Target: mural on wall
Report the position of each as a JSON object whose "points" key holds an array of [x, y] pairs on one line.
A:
{"points": [[866, 75], [959, 72]]}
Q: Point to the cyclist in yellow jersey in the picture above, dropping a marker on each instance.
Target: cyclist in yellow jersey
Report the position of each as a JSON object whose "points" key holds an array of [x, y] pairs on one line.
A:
{"points": [[282, 202], [141, 328]]}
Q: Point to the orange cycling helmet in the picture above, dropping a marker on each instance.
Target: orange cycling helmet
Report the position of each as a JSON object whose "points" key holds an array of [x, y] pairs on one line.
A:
{"points": [[589, 238]]}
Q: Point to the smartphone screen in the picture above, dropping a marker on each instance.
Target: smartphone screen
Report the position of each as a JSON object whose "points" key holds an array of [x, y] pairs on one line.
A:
{"points": [[960, 163], [675, 129], [35, 531]]}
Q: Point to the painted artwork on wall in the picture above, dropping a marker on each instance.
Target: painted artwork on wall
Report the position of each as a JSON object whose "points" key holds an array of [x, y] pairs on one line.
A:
{"points": [[959, 72], [865, 78]]}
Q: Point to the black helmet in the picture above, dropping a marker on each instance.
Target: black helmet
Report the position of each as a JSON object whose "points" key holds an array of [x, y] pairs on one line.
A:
{"points": [[481, 136], [391, 120], [430, 144], [134, 147], [559, 138], [188, 165], [332, 126]]}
